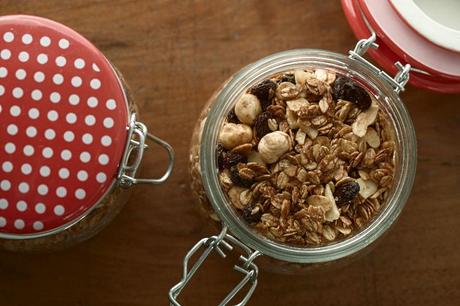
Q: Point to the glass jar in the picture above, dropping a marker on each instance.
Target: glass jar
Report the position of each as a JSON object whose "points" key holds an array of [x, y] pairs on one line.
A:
{"points": [[71, 142], [213, 201]]}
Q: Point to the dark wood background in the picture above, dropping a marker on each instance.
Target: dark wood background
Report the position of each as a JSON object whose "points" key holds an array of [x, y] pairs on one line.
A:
{"points": [[174, 54]]}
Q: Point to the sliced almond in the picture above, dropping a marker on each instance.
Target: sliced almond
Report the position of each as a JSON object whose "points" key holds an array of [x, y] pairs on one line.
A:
{"points": [[321, 75], [333, 213], [300, 77], [372, 138], [366, 187], [323, 105], [365, 119]]}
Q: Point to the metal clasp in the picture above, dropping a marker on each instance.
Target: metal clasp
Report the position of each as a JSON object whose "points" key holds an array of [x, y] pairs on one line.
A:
{"points": [[136, 144], [402, 77], [218, 243]]}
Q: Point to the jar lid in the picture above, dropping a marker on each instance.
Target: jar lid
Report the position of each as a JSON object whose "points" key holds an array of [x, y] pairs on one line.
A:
{"points": [[436, 68], [63, 125]]}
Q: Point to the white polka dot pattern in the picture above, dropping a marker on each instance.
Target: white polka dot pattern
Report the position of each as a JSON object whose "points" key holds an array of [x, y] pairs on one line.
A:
{"points": [[63, 122]]}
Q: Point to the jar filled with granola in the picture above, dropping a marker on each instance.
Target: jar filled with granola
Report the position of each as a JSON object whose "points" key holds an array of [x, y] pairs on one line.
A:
{"points": [[71, 142], [305, 157]]}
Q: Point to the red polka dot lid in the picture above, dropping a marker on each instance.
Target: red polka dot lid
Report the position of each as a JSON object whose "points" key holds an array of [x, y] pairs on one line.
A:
{"points": [[63, 125]]}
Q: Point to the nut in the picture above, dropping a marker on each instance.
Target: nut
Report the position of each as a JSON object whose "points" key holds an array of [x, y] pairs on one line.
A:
{"points": [[233, 135], [273, 145], [365, 119], [333, 213], [300, 77], [248, 108], [372, 138], [366, 188]]}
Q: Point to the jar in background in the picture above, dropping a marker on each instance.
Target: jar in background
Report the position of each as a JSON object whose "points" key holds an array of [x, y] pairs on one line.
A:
{"points": [[214, 202], [71, 142]]}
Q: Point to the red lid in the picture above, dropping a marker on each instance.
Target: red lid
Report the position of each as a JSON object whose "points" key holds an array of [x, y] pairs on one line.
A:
{"points": [[63, 119], [399, 42]]}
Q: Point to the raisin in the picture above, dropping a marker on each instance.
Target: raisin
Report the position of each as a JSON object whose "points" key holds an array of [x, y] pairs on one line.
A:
{"points": [[346, 89], [232, 118], [237, 179], [261, 124], [251, 217], [226, 159], [288, 78], [346, 192], [264, 91]]}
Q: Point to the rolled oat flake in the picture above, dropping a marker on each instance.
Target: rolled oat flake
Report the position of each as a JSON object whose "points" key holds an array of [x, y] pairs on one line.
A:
{"points": [[70, 141]]}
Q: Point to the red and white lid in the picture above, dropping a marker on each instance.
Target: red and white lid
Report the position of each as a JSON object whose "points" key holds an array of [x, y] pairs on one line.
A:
{"points": [[406, 33], [63, 125]]}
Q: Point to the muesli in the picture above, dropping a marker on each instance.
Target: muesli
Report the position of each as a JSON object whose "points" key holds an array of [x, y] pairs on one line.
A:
{"points": [[306, 157]]}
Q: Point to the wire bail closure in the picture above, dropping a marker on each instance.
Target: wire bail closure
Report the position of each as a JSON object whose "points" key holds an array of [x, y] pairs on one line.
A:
{"points": [[402, 77], [218, 243], [136, 144]]}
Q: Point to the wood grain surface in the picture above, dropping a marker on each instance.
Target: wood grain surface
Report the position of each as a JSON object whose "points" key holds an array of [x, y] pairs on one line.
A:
{"points": [[174, 54]]}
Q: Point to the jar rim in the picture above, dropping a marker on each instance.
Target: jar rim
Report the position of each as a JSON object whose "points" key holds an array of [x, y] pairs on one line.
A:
{"points": [[281, 61]]}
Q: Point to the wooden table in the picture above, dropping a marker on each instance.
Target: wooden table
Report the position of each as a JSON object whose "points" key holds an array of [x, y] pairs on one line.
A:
{"points": [[174, 54]]}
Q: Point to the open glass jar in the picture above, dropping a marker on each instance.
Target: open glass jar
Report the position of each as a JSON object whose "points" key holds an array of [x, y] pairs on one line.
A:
{"points": [[215, 202], [71, 142]]}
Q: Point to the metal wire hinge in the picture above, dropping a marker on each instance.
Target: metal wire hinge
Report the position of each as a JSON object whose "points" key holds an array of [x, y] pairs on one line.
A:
{"points": [[402, 77], [134, 152], [219, 243]]}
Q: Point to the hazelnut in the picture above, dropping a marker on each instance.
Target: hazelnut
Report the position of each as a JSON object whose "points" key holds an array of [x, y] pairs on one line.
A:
{"points": [[273, 145], [248, 108], [233, 135]]}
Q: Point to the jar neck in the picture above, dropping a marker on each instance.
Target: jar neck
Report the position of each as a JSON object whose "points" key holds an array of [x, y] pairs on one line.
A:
{"points": [[291, 60]]}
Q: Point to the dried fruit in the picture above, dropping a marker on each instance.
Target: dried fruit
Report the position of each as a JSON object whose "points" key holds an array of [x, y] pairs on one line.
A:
{"points": [[226, 159], [346, 192], [264, 91], [231, 117], [261, 124], [252, 214], [238, 180], [288, 78], [346, 89]]}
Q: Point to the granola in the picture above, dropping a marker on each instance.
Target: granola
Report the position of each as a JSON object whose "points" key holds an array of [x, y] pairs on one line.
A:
{"points": [[307, 157]]}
